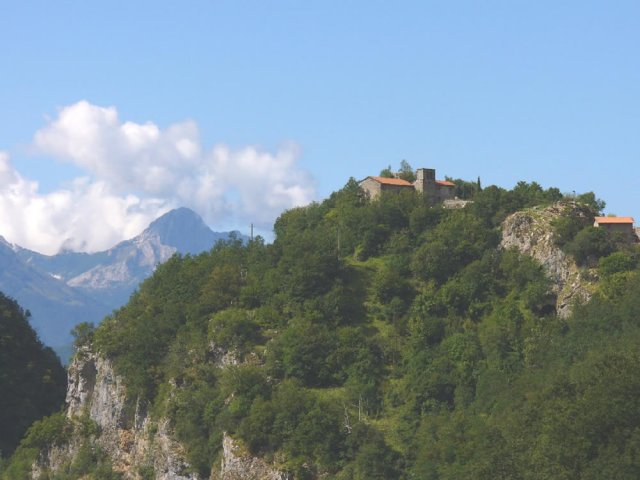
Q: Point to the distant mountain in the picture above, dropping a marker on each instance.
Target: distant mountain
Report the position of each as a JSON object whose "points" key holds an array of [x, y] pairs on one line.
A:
{"points": [[70, 287], [119, 270], [55, 306], [184, 230], [64, 265]]}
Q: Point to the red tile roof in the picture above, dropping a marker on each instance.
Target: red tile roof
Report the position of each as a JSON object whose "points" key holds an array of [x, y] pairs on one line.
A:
{"points": [[614, 220], [403, 183], [392, 181]]}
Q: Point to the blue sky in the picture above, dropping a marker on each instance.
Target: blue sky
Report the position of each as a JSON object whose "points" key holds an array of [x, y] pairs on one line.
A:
{"points": [[302, 95]]}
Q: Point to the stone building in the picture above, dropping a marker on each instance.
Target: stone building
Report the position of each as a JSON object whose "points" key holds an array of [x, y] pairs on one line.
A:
{"points": [[622, 226], [437, 191], [374, 186]]}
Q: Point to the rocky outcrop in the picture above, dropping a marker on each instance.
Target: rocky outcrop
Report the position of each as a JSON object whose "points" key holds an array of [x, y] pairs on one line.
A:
{"points": [[126, 433], [531, 232], [133, 441], [237, 464]]}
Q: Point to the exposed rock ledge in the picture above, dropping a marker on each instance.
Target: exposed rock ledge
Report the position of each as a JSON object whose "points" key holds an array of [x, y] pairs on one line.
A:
{"points": [[531, 232], [130, 438], [239, 465], [133, 440]]}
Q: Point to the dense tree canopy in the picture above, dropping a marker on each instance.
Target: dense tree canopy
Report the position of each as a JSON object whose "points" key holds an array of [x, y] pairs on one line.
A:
{"points": [[32, 380]]}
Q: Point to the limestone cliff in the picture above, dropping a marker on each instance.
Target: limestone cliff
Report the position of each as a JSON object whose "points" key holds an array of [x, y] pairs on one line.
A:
{"points": [[138, 445], [237, 464], [132, 440], [531, 232]]}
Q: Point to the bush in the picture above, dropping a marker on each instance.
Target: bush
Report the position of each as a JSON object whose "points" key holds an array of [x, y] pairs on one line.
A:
{"points": [[374, 459], [589, 245], [307, 429], [52, 430], [301, 352], [234, 329], [83, 334], [565, 228], [617, 262], [590, 199]]}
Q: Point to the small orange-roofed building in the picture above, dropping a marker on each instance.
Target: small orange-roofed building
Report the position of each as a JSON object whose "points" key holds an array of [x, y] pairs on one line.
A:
{"points": [[621, 225]]}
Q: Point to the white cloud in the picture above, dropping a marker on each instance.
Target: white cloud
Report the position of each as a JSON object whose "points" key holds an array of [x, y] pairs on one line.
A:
{"points": [[86, 216], [136, 172], [128, 156]]}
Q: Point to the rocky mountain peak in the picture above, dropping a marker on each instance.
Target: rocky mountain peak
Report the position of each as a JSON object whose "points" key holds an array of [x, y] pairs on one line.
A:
{"points": [[182, 229]]}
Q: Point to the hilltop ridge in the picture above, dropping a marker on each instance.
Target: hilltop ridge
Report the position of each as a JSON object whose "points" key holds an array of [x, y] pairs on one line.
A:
{"points": [[375, 338]]}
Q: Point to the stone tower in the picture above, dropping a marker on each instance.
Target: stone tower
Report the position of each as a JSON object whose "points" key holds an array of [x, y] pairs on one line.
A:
{"points": [[425, 180]]}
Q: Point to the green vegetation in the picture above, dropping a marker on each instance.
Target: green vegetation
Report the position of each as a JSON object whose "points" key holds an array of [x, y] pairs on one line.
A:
{"points": [[577, 237], [90, 461], [406, 172], [387, 339], [32, 380]]}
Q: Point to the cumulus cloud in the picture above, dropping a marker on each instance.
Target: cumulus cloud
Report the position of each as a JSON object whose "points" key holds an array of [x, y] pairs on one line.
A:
{"points": [[134, 173], [127, 155], [85, 216]]}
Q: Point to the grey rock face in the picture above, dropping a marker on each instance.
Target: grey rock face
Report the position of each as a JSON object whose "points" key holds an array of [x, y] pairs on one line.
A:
{"points": [[128, 435], [531, 232], [238, 465]]}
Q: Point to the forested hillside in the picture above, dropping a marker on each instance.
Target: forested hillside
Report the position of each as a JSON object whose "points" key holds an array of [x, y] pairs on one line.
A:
{"points": [[32, 380], [386, 339]]}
